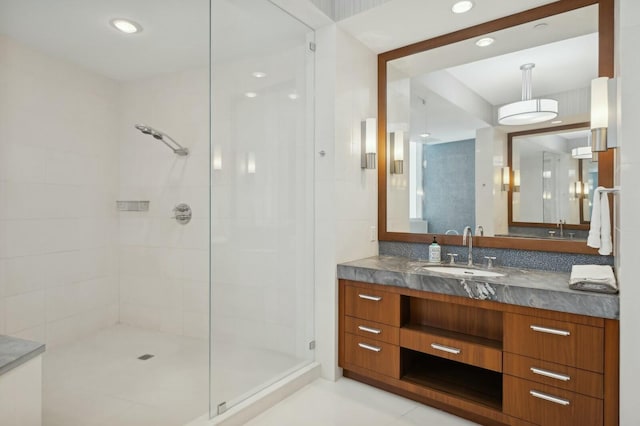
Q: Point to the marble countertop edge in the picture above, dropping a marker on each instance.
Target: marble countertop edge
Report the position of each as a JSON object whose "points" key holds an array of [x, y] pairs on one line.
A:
{"points": [[523, 287], [15, 352]]}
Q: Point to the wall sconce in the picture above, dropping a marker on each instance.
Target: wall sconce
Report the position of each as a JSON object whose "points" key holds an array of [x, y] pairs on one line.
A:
{"points": [[516, 180], [251, 163], [599, 113], [578, 189], [506, 178], [368, 143], [397, 152]]}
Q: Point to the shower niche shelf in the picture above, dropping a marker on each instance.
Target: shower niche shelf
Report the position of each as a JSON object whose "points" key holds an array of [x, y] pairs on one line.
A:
{"points": [[132, 205]]}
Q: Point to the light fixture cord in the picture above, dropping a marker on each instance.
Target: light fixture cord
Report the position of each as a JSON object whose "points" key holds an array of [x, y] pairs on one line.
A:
{"points": [[526, 81]]}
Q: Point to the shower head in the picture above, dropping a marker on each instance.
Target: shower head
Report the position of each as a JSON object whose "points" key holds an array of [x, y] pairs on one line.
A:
{"points": [[147, 130]]}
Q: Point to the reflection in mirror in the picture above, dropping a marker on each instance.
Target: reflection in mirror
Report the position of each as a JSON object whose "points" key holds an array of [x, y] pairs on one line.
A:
{"points": [[556, 175], [444, 101]]}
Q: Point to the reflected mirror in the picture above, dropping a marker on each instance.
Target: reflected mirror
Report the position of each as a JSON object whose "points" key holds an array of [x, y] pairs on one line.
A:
{"points": [[445, 162], [552, 176]]}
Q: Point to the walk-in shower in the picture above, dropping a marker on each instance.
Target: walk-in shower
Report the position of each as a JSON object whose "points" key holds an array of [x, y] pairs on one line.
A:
{"points": [[224, 304], [180, 150]]}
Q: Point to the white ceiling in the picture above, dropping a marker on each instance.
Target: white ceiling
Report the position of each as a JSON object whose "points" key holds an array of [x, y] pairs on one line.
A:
{"points": [[564, 51], [175, 34], [397, 23]]}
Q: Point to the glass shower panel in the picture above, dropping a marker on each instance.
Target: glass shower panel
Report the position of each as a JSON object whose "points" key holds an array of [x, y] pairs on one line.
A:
{"points": [[261, 198]]}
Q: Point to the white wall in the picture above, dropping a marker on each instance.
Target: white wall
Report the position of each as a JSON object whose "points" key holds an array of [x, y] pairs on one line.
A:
{"points": [[58, 182], [628, 229], [346, 195], [491, 156], [164, 266]]}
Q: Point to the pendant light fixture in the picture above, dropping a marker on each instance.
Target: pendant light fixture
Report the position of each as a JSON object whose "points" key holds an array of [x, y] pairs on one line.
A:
{"points": [[527, 111]]}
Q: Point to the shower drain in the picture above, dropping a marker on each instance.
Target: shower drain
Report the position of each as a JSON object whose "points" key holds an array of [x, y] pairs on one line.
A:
{"points": [[145, 357]]}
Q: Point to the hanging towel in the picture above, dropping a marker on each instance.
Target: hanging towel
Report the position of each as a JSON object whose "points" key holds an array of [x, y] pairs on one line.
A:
{"points": [[598, 278], [600, 232]]}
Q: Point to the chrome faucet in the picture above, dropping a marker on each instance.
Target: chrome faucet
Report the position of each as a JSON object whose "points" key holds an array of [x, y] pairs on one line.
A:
{"points": [[467, 230], [560, 225]]}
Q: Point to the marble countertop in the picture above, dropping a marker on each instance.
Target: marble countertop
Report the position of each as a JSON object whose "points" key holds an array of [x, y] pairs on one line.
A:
{"points": [[525, 287], [14, 352]]}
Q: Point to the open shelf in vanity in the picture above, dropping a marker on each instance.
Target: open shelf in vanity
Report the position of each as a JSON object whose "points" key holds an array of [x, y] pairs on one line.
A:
{"points": [[486, 361]]}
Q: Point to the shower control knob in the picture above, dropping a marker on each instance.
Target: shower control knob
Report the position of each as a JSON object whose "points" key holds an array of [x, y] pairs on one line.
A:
{"points": [[182, 213]]}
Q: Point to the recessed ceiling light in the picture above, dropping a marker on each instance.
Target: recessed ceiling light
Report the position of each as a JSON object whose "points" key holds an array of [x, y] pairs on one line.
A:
{"points": [[251, 94], [258, 74], [462, 6], [540, 26], [425, 135], [484, 42], [556, 122], [126, 26]]}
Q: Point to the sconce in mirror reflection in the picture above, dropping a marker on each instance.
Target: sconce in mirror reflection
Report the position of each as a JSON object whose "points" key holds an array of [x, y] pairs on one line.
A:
{"points": [[506, 178], [396, 146], [217, 159], [368, 143], [516, 180], [251, 163]]}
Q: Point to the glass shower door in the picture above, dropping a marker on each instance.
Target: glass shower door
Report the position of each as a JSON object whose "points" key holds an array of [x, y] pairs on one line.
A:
{"points": [[261, 198]]}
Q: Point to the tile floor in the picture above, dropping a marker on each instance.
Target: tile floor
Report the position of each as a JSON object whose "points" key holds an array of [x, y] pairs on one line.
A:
{"points": [[98, 380], [350, 403]]}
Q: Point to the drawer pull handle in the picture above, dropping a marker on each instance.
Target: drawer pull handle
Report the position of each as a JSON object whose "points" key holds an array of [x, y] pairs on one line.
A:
{"points": [[367, 297], [550, 330], [550, 398], [369, 347], [369, 329], [443, 348], [551, 374]]}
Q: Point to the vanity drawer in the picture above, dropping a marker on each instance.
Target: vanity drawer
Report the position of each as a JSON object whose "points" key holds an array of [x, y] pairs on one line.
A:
{"points": [[561, 342], [467, 352], [374, 305], [549, 406], [558, 375], [373, 355], [371, 330]]}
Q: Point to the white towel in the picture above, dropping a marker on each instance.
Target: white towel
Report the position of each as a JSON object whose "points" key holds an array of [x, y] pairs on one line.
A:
{"points": [[598, 278], [600, 232]]}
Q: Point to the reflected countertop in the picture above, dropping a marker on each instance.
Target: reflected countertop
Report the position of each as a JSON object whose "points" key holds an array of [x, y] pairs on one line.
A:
{"points": [[525, 287]]}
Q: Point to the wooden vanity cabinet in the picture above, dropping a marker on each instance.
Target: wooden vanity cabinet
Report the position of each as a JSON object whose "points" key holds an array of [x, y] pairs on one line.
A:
{"points": [[490, 362]]}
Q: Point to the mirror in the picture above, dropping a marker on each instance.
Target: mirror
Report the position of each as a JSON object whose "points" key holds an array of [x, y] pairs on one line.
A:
{"points": [[444, 160], [552, 176]]}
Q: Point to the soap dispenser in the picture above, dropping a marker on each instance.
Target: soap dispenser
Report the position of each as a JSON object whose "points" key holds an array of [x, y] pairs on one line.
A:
{"points": [[434, 252]]}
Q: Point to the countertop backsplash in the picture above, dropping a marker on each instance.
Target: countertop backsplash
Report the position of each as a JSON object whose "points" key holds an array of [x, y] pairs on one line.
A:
{"points": [[529, 259]]}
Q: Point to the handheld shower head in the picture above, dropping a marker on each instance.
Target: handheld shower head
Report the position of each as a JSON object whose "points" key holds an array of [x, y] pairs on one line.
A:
{"points": [[147, 130], [144, 129]]}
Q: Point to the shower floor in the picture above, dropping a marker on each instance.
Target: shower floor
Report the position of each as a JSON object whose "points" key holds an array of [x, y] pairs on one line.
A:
{"points": [[99, 380]]}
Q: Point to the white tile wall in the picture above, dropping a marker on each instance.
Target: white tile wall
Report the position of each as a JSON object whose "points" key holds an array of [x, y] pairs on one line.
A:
{"points": [[629, 202], [58, 179], [164, 266], [346, 81]]}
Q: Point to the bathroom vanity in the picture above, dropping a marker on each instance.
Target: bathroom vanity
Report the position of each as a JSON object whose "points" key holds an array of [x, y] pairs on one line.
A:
{"points": [[519, 348]]}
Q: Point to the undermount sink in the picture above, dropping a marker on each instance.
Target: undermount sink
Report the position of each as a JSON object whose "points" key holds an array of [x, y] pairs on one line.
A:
{"points": [[463, 272]]}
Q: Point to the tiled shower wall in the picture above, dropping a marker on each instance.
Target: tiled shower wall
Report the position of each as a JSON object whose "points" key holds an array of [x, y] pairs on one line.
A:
{"points": [[164, 266], [58, 182], [70, 264]]}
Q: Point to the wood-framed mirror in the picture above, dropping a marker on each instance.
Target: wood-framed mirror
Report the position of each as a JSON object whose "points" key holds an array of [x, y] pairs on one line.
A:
{"points": [[437, 106]]}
